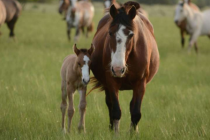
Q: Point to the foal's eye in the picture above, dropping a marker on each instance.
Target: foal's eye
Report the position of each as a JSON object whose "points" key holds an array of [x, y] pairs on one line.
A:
{"points": [[79, 64]]}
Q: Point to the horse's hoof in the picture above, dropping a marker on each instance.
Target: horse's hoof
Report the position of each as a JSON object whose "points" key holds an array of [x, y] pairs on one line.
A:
{"points": [[81, 129], [64, 131]]}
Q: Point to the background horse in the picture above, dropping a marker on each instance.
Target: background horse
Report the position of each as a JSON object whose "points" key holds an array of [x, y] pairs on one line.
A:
{"points": [[126, 57], [197, 22], [63, 7], [2, 13], [183, 24], [75, 73], [80, 15], [13, 9]]}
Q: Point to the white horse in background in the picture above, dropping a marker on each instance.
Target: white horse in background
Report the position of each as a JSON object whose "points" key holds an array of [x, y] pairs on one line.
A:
{"points": [[79, 15], [198, 23]]}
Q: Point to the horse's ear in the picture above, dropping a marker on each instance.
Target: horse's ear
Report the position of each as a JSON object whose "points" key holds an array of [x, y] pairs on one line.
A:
{"points": [[132, 12], [76, 50], [92, 48], [113, 11]]}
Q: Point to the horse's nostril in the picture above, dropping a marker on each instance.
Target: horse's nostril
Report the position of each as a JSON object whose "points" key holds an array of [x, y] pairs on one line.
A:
{"points": [[113, 71], [123, 70], [176, 21]]}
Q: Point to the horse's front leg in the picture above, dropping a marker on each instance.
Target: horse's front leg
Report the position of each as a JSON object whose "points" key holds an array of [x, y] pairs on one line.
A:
{"points": [[71, 110], [193, 40], [135, 104], [77, 34], [182, 37], [69, 31], [114, 109], [63, 104], [82, 108]]}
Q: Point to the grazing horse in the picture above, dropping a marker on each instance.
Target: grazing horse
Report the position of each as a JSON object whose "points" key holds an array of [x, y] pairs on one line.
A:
{"points": [[75, 73], [183, 24], [197, 23], [80, 14], [2, 14], [126, 57], [13, 9]]}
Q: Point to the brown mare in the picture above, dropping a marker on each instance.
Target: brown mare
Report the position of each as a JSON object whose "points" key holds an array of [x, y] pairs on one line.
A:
{"points": [[126, 57], [13, 9], [182, 26], [75, 73]]}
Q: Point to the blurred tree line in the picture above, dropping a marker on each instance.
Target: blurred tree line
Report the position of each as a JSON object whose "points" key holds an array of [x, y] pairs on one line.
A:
{"points": [[200, 3]]}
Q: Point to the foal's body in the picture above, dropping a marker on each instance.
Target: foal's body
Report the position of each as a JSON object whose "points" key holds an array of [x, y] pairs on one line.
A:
{"points": [[13, 9], [75, 76], [80, 15]]}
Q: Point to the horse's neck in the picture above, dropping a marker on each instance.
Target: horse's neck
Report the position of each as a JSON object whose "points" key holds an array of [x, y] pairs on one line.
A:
{"points": [[191, 17]]}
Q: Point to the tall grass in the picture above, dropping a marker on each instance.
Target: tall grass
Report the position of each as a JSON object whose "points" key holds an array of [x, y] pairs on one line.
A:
{"points": [[176, 104]]}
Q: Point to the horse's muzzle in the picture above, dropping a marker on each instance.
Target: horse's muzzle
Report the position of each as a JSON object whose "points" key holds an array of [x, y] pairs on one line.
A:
{"points": [[118, 71]]}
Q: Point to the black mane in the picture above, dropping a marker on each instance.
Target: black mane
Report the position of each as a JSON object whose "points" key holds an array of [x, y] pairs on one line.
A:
{"points": [[122, 18]]}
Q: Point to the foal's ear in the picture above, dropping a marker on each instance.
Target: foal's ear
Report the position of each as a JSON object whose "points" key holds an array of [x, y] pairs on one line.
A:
{"points": [[132, 12], [113, 11], [92, 48], [76, 50]]}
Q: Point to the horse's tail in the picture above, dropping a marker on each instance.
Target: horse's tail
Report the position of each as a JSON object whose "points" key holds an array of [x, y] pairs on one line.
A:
{"points": [[90, 27], [97, 85]]}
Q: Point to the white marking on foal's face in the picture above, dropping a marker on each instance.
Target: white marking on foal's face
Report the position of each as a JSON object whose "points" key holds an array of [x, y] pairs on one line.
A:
{"points": [[85, 70], [107, 4], [118, 57]]}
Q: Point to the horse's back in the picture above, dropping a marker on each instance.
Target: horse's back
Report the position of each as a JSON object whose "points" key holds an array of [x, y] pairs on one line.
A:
{"points": [[2, 13], [68, 63], [206, 24], [13, 9], [194, 7]]}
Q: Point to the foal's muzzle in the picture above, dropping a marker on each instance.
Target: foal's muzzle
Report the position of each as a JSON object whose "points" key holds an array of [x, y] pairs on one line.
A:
{"points": [[85, 81]]}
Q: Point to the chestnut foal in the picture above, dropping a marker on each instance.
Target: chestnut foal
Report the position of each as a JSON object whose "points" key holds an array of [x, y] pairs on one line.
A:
{"points": [[75, 74]]}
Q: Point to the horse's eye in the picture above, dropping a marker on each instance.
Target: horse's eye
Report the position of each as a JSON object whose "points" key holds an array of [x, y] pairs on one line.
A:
{"points": [[79, 64], [130, 35], [110, 33]]}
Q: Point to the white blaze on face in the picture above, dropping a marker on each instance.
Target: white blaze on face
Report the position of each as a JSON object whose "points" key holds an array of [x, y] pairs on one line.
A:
{"points": [[107, 4], [118, 57], [179, 13], [85, 69]]}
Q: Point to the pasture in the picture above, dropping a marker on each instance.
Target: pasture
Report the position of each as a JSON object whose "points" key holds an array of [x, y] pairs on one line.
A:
{"points": [[176, 105]]}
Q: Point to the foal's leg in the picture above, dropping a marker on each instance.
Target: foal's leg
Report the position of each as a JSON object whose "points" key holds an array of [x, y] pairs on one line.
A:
{"points": [[63, 104], [135, 104], [114, 109], [82, 109], [182, 37], [70, 93]]}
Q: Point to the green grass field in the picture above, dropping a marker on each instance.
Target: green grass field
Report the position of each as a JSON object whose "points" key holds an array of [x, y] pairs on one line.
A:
{"points": [[176, 105]]}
